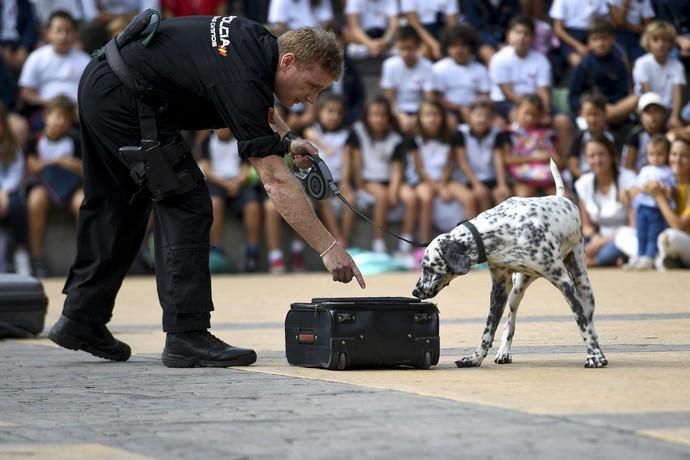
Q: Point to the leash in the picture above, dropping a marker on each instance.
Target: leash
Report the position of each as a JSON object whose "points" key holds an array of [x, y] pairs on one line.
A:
{"points": [[319, 184]]}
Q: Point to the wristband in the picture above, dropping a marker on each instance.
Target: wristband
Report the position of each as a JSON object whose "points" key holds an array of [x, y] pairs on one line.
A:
{"points": [[328, 249], [287, 140]]}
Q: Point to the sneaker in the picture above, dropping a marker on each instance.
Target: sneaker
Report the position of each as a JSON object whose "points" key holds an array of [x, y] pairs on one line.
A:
{"points": [[218, 262], [631, 264], [277, 266], [38, 267], [92, 338], [644, 263], [22, 262], [297, 259], [203, 349], [251, 259]]}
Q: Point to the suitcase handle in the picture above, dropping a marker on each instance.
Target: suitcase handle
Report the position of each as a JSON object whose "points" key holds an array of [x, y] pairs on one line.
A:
{"points": [[306, 337]]}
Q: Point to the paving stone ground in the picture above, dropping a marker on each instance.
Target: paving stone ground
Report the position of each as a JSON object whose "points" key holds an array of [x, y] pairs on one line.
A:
{"points": [[59, 404]]}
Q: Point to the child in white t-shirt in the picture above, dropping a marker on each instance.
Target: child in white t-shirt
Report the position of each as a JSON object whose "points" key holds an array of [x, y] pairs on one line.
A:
{"points": [[659, 72], [375, 148], [649, 220], [429, 18], [284, 15], [571, 20], [459, 79], [406, 78], [371, 25], [329, 135]]}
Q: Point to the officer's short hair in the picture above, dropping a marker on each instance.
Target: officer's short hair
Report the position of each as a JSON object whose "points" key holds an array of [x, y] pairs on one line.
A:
{"points": [[313, 46]]}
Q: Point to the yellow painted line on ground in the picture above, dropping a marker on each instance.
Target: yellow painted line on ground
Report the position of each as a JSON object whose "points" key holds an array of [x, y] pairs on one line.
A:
{"points": [[66, 452], [677, 435]]}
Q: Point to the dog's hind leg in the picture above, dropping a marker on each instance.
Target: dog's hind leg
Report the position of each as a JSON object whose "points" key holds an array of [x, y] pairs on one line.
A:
{"points": [[584, 315], [521, 282], [502, 284]]}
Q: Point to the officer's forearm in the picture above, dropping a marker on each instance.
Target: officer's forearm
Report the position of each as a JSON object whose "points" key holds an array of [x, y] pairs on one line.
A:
{"points": [[292, 203]]}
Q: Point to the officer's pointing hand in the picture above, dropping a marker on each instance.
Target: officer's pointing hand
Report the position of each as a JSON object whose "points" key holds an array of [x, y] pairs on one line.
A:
{"points": [[341, 266]]}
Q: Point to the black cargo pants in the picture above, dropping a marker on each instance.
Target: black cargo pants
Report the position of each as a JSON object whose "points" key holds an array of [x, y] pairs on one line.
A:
{"points": [[115, 212]]}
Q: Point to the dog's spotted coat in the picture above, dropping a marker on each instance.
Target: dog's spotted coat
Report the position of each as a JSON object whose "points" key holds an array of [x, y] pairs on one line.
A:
{"points": [[524, 238]]}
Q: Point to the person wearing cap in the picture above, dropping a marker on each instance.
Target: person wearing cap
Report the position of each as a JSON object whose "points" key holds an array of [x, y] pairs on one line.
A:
{"points": [[653, 117], [191, 73]]}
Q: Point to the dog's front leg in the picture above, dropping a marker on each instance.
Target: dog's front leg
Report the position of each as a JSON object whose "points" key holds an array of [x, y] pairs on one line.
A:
{"points": [[521, 282], [502, 284]]}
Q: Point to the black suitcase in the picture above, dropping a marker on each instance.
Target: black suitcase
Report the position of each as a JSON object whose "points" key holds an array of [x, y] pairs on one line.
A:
{"points": [[337, 333], [23, 306]]}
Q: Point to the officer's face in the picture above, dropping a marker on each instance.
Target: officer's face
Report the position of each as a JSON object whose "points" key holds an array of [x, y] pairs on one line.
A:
{"points": [[297, 82]]}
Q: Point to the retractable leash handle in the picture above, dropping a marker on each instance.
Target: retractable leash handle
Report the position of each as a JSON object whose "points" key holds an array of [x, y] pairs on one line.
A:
{"points": [[319, 184]]}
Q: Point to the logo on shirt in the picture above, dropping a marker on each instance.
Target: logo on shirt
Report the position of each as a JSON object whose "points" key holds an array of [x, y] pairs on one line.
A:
{"points": [[220, 33]]}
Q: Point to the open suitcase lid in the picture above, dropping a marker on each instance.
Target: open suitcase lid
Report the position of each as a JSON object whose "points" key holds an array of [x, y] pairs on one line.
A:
{"points": [[365, 303]]}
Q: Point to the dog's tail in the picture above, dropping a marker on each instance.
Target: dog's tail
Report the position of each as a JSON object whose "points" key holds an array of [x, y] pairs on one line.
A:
{"points": [[560, 189]]}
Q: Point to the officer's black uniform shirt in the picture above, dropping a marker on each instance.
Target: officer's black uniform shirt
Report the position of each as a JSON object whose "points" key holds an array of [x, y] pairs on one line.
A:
{"points": [[214, 72]]}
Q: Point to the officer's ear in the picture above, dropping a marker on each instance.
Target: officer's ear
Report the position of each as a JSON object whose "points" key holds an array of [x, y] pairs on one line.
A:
{"points": [[286, 60]]}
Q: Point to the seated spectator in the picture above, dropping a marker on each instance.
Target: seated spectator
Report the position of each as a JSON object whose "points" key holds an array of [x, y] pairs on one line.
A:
{"points": [[8, 92], [371, 24], [12, 203], [517, 70], [458, 79], [174, 8], [659, 72], [677, 14], [630, 18], [284, 15], [593, 118], [350, 85], [649, 221], [230, 187], [83, 11], [53, 69], [429, 19], [571, 19], [433, 150], [491, 19], [17, 32], [602, 70], [110, 9], [604, 205], [533, 146], [54, 164], [653, 116], [406, 78], [481, 146], [374, 145], [329, 134], [674, 242]]}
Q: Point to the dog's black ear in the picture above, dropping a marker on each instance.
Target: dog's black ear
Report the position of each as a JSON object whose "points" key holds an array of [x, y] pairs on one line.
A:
{"points": [[452, 252]]}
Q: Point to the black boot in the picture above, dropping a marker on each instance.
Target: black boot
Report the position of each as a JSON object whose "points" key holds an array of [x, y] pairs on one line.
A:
{"points": [[91, 337], [203, 349]]}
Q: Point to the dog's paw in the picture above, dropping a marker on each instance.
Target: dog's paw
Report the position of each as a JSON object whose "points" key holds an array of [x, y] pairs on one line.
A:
{"points": [[503, 358], [468, 361], [596, 362]]}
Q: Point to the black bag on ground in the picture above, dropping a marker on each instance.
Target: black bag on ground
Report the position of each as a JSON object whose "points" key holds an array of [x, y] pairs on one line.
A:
{"points": [[337, 333], [23, 306]]}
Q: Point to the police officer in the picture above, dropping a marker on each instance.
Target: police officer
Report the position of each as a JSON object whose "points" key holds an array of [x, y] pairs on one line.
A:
{"points": [[152, 81]]}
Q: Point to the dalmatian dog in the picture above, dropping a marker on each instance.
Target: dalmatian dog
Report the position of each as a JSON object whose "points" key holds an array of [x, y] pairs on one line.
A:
{"points": [[521, 240]]}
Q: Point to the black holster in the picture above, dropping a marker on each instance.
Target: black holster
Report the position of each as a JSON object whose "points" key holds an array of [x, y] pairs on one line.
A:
{"points": [[164, 170]]}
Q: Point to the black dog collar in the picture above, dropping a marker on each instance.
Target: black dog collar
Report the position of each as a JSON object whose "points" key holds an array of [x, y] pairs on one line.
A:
{"points": [[481, 253]]}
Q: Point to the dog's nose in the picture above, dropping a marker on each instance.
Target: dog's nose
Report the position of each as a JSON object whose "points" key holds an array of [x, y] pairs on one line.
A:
{"points": [[416, 293]]}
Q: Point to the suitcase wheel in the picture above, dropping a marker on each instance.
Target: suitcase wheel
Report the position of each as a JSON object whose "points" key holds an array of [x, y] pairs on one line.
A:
{"points": [[342, 361], [426, 362]]}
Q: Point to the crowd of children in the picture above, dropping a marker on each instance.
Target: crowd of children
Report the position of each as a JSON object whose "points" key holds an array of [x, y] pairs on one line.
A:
{"points": [[474, 100]]}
